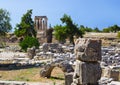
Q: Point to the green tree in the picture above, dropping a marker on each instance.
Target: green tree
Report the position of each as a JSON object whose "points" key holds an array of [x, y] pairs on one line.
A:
{"points": [[26, 26], [118, 34], [71, 28], [29, 42], [106, 30], [88, 29], [85, 29], [82, 29], [60, 33], [114, 28], [96, 30], [5, 25]]}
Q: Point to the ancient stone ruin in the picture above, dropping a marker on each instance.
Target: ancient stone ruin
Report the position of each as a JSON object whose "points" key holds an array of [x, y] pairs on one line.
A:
{"points": [[41, 27], [47, 70], [31, 52], [41, 22], [88, 55]]}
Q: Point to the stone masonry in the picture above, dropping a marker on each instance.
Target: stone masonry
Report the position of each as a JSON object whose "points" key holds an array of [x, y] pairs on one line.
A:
{"points": [[41, 28], [31, 52], [47, 70], [87, 70]]}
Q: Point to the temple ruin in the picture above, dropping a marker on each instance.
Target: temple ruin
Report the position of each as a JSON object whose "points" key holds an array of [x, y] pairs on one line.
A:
{"points": [[41, 27], [47, 70]]}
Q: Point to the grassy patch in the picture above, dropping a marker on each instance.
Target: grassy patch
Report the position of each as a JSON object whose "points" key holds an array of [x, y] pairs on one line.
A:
{"points": [[30, 74]]}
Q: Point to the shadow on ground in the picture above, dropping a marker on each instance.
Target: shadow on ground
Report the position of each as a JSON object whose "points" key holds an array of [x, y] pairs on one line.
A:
{"points": [[58, 78], [16, 66]]}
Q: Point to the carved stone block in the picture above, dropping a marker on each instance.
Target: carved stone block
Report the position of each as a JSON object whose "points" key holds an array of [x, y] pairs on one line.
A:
{"points": [[88, 50], [87, 73], [87, 70]]}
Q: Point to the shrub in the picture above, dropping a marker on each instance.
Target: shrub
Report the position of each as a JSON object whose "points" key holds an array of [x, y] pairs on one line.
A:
{"points": [[118, 34], [29, 42]]}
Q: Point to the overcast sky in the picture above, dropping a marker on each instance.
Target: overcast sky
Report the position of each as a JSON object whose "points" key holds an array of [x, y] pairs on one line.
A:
{"points": [[91, 13]]}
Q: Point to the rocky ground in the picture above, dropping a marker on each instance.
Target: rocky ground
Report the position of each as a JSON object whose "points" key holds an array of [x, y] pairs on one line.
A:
{"points": [[110, 57]]}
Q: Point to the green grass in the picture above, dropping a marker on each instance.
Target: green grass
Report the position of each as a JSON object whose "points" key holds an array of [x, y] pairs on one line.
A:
{"points": [[29, 74]]}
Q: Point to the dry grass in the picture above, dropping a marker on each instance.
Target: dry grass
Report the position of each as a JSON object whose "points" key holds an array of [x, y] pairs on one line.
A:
{"points": [[31, 75]]}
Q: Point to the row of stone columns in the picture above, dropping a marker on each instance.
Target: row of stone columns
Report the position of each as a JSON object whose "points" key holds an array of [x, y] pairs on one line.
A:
{"points": [[41, 22]]}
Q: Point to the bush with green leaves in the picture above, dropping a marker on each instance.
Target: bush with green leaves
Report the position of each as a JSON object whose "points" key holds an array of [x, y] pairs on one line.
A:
{"points": [[118, 35], [29, 42]]}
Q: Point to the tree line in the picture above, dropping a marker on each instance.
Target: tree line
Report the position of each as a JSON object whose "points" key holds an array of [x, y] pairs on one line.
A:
{"points": [[70, 29], [67, 30]]}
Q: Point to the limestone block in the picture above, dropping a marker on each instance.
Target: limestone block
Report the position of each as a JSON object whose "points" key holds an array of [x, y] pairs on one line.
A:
{"points": [[86, 73], [88, 50], [53, 45], [68, 78], [46, 72], [66, 67], [114, 74], [31, 52], [45, 47]]}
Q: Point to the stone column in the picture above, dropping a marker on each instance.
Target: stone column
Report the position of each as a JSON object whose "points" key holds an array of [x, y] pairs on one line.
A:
{"points": [[87, 69], [45, 24], [40, 23], [36, 23]]}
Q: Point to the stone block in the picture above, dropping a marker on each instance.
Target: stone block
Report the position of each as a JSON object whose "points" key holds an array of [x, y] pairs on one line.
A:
{"points": [[45, 47], [88, 50], [86, 73], [68, 78], [114, 74], [31, 52]]}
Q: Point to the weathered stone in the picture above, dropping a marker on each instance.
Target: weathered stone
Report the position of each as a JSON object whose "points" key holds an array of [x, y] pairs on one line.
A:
{"points": [[41, 28], [114, 74], [86, 73], [46, 71], [88, 50], [13, 39], [87, 70], [31, 52], [45, 47], [68, 78], [111, 73], [66, 67]]}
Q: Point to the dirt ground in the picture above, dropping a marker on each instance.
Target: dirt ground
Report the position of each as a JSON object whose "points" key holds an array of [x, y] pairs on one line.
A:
{"points": [[31, 75]]}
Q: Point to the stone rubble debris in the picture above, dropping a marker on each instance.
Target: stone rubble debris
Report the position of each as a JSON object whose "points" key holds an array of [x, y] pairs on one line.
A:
{"points": [[50, 53]]}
